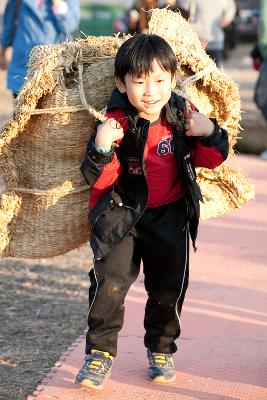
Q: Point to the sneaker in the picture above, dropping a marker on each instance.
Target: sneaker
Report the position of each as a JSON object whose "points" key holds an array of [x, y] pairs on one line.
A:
{"points": [[161, 367], [96, 369]]}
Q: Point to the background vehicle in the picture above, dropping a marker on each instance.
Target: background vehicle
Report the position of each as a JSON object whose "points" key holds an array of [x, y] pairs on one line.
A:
{"points": [[247, 19]]}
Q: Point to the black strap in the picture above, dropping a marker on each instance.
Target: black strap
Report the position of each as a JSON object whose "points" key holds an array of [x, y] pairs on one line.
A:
{"points": [[17, 6]]}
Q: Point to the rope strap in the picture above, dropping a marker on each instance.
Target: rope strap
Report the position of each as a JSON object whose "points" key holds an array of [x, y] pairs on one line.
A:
{"points": [[91, 110], [193, 78], [59, 110], [42, 192], [190, 80]]}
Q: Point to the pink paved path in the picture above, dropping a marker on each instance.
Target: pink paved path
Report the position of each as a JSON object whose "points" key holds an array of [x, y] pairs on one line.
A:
{"points": [[223, 348]]}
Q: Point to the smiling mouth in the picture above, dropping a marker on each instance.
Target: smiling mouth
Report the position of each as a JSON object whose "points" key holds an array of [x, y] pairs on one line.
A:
{"points": [[150, 103]]}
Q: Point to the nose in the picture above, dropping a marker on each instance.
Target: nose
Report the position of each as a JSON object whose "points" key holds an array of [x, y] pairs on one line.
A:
{"points": [[150, 89]]}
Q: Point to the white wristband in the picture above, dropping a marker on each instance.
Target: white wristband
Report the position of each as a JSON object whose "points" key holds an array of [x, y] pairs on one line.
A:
{"points": [[102, 150]]}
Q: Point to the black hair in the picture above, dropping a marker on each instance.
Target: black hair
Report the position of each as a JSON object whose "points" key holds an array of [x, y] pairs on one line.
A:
{"points": [[136, 56]]}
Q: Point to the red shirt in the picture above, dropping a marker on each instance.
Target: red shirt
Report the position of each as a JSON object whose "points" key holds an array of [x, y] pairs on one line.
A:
{"points": [[163, 176]]}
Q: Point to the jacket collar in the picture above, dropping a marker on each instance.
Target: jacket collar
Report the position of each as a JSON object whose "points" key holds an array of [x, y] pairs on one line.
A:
{"points": [[119, 100]]}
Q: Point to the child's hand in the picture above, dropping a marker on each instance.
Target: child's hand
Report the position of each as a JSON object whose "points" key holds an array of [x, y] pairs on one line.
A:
{"points": [[3, 58], [57, 2], [197, 124], [108, 132]]}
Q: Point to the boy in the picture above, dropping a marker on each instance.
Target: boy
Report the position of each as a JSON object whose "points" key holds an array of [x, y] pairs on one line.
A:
{"points": [[143, 205]]}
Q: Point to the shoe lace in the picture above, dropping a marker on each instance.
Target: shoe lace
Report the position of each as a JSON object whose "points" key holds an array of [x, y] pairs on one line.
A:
{"points": [[98, 361], [160, 360]]}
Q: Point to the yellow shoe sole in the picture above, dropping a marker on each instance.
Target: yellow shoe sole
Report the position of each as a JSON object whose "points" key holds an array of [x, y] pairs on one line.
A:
{"points": [[161, 379], [86, 383]]}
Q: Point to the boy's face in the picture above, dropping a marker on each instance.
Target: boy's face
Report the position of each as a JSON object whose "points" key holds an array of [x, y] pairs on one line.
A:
{"points": [[148, 94]]}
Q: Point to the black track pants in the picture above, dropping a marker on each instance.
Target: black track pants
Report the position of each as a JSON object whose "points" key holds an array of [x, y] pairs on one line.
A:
{"points": [[160, 239]]}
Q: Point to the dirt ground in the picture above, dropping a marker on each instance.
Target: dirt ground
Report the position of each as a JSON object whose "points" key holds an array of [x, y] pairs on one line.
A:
{"points": [[44, 302], [43, 310]]}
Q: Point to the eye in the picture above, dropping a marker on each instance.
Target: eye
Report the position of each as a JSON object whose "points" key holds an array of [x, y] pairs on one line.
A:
{"points": [[160, 80], [138, 82]]}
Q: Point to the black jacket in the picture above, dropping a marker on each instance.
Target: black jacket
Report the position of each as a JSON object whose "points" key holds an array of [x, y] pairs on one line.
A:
{"points": [[120, 208]]}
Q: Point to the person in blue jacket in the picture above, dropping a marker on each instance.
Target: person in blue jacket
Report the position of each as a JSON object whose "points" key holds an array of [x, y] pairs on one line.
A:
{"points": [[28, 23]]}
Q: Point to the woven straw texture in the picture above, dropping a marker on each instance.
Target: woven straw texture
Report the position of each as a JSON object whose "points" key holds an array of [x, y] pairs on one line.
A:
{"points": [[43, 211]]}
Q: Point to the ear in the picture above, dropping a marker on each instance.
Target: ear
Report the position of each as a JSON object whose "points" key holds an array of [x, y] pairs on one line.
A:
{"points": [[120, 85], [174, 79]]}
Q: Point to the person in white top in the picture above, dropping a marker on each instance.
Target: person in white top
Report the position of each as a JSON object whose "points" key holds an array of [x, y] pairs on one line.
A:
{"points": [[209, 18]]}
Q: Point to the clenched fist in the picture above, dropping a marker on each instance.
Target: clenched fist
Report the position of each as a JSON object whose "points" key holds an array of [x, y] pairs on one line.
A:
{"points": [[197, 124], [108, 132]]}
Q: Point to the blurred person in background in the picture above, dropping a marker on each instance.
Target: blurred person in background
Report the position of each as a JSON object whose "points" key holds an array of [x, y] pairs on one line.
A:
{"points": [[129, 21], [28, 23], [209, 18], [146, 5], [231, 34], [175, 5], [261, 85], [262, 32], [135, 19]]}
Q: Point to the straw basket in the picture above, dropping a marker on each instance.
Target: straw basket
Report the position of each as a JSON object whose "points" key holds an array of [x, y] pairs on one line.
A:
{"points": [[43, 210]]}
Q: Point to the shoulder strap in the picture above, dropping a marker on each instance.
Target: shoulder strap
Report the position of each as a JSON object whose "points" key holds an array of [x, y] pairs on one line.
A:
{"points": [[17, 5]]}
